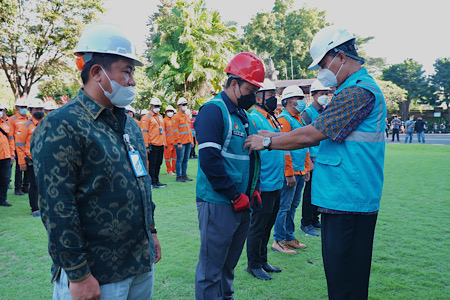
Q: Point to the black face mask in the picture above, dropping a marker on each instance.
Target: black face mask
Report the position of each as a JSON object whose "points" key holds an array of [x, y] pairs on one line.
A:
{"points": [[271, 104], [246, 101], [38, 115]]}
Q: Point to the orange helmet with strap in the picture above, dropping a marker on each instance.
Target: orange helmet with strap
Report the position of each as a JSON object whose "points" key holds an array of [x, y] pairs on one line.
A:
{"points": [[247, 66]]}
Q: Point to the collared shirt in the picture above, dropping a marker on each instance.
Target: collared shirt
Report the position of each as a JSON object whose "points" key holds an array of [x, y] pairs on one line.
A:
{"points": [[97, 213], [23, 138], [6, 140]]}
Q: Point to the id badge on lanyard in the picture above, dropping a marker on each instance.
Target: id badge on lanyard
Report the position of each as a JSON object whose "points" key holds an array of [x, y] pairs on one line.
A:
{"points": [[135, 159]]}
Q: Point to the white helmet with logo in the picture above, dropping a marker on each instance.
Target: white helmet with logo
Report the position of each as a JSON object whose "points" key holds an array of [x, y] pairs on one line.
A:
{"points": [[50, 105], [318, 86], [130, 108], [268, 85], [292, 91], [170, 107], [182, 101], [36, 103], [155, 101], [21, 102], [107, 38], [326, 39]]}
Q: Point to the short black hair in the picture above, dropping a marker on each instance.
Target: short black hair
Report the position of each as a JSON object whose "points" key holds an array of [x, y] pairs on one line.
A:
{"points": [[105, 60], [230, 79]]}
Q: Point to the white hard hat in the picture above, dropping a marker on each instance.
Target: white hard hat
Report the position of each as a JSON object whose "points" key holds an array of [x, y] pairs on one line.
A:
{"points": [[50, 105], [144, 111], [21, 102], [107, 38], [3, 106], [130, 108], [292, 91], [36, 103], [326, 39], [155, 101], [170, 107], [181, 101], [318, 86], [268, 85]]}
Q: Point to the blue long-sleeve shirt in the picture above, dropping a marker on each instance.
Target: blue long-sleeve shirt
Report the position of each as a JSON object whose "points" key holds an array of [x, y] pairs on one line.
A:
{"points": [[209, 128]]}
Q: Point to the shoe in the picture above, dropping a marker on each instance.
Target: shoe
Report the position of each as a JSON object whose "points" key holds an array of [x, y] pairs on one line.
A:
{"points": [[195, 156], [159, 184], [269, 268], [154, 186], [309, 230], [259, 273], [295, 244], [317, 225], [4, 203], [281, 247], [171, 173], [186, 178], [36, 214], [19, 193], [180, 179], [10, 187], [25, 190]]}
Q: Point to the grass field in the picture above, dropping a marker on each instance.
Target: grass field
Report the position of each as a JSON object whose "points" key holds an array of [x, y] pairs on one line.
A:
{"points": [[411, 258]]}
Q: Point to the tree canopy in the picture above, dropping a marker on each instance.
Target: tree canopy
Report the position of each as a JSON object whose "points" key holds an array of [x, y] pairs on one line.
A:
{"points": [[285, 34], [188, 48], [441, 81], [35, 36]]}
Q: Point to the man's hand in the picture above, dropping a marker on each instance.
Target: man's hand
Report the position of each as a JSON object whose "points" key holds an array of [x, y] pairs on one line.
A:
{"points": [[157, 248], [85, 290], [290, 181], [23, 167], [12, 159], [180, 147], [307, 176], [192, 144], [254, 142]]}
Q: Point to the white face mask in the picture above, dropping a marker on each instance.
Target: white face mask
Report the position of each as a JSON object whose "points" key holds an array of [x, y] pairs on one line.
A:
{"points": [[323, 100], [156, 110], [184, 108], [121, 96], [170, 114], [327, 77], [1, 113]]}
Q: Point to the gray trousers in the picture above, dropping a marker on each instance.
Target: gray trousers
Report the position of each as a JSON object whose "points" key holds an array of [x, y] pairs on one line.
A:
{"points": [[222, 235]]}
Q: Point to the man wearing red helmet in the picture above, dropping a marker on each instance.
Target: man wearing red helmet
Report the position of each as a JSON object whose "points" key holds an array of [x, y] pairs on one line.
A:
{"points": [[227, 178]]}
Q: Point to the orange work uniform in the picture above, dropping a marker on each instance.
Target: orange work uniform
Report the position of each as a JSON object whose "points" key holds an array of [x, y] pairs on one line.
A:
{"points": [[170, 154], [6, 140], [16, 120], [182, 133], [23, 138], [288, 166], [152, 126]]}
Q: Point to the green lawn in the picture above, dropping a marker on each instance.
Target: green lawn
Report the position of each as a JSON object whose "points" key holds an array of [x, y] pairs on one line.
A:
{"points": [[410, 260]]}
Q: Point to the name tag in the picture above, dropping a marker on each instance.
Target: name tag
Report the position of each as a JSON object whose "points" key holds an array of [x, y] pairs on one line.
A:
{"points": [[137, 164], [238, 133]]}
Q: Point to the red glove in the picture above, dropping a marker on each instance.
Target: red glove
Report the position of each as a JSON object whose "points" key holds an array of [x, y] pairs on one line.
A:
{"points": [[256, 201], [241, 203]]}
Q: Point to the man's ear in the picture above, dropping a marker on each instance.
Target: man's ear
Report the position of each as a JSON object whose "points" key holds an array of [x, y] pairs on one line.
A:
{"points": [[96, 72], [342, 57]]}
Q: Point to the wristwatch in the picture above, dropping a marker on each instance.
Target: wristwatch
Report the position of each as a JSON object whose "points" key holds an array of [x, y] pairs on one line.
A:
{"points": [[267, 141]]}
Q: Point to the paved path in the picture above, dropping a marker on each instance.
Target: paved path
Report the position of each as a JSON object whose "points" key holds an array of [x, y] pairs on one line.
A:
{"points": [[430, 138]]}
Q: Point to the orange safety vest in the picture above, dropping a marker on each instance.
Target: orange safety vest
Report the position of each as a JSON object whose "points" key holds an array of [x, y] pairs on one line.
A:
{"points": [[152, 126], [168, 125], [16, 120], [182, 133], [23, 138], [6, 141]]}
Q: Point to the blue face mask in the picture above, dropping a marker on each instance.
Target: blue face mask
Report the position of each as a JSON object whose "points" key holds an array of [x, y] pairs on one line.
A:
{"points": [[301, 104], [23, 111]]}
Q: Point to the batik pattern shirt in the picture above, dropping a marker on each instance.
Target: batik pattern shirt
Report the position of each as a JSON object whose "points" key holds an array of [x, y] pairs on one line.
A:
{"points": [[97, 213]]}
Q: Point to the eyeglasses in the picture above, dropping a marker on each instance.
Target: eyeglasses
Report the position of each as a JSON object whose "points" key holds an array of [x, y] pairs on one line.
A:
{"points": [[184, 104]]}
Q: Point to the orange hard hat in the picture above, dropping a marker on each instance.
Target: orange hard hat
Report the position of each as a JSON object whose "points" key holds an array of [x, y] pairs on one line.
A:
{"points": [[247, 66]]}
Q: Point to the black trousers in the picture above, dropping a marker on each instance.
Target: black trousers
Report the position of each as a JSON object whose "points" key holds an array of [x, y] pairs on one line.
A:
{"points": [[310, 215], [5, 174], [261, 224], [20, 183], [347, 242], [32, 194], [395, 132], [192, 154], [155, 158]]}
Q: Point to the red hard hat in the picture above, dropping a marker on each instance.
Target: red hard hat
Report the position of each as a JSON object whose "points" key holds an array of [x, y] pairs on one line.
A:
{"points": [[247, 66], [194, 113]]}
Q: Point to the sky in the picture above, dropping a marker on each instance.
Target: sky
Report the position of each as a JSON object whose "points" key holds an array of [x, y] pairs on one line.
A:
{"points": [[401, 29]]}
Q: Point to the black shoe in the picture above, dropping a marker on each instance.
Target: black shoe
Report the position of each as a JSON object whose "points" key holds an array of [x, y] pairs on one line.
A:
{"points": [[259, 273], [271, 269], [186, 178], [19, 193], [180, 179], [317, 225], [154, 186], [159, 184], [4, 203], [25, 190]]}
